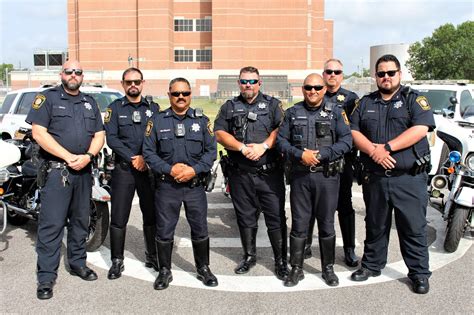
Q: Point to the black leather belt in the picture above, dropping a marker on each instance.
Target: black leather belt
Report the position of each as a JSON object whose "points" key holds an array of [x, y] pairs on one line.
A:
{"points": [[310, 169], [193, 182], [265, 168], [389, 173], [56, 164]]}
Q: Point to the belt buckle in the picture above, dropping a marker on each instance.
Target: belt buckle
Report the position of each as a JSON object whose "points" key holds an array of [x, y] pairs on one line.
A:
{"points": [[312, 169], [388, 173]]}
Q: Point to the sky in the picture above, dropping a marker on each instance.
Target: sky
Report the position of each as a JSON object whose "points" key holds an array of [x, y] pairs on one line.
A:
{"points": [[30, 25]]}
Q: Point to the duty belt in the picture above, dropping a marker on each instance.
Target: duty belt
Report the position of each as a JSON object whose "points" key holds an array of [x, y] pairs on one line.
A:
{"points": [[265, 168], [193, 182], [56, 164], [310, 169], [389, 173]]}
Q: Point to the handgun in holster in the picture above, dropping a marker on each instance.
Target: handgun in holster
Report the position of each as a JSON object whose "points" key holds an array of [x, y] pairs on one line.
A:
{"points": [[42, 174]]}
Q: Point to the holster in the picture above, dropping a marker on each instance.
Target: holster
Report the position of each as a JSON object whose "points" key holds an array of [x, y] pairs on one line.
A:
{"points": [[225, 165], [42, 174]]}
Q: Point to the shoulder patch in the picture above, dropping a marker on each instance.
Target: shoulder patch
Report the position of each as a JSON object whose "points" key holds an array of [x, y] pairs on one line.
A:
{"points": [[344, 116], [356, 104], [38, 101], [107, 115], [209, 129], [149, 127], [423, 102]]}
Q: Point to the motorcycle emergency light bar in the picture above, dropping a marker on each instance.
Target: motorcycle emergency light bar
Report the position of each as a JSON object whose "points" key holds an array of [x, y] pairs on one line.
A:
{"points": [[454, 156]]}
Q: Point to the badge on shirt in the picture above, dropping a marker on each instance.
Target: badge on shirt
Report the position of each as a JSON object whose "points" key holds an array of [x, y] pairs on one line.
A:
{"points": [[38, 102], [195, 127], [323, 114], [209, 129], [107, 115], [398, 104], [344, 116], [340, 98], [148, 113], [88, 106], [262, 105], [149, 127], [423, 102]]}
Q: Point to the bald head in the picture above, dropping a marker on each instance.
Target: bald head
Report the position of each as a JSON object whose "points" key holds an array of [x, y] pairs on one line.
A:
{"points": [[313, 89]]}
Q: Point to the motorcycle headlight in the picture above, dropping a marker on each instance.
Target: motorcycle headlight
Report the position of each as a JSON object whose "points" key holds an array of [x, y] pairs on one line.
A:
{"points": [[4, 175], [470, 161]]}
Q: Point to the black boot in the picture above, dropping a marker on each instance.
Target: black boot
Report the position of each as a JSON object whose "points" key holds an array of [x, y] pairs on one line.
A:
{"points": [[347, 224], [248, 236], [327, 247], [150, 249], [117, 243], [296, 261], [201, 258], [309, 239], [280, 247], [164, 250]]}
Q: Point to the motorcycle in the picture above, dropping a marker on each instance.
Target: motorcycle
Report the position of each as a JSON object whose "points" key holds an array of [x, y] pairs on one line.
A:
{"points": [[456, 176], [20, 196]]}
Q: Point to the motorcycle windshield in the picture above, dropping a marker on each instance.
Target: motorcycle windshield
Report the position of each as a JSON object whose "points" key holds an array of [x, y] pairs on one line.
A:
{"points": [[10, 154]]}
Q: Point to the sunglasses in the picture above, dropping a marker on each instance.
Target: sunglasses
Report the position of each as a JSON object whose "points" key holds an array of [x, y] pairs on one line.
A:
{"points": [[251, 82], [391, 73], [71, 71], [330, 71], [316, 87], [178, 93], [130, 82]]}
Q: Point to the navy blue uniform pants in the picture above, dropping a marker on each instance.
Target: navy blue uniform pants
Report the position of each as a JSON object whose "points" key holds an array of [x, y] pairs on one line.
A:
{"points": [[253, 192], [408, 197], [344, 203], [169, 196], [63, 206], [125, 180], [312, 194]]}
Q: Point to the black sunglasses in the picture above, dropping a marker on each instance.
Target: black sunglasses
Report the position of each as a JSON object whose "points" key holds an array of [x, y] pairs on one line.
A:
{"points": [[391, 73], [316, 87], [178, 93], [252, 81], [129, 82], [71, 71], [330, 71]]}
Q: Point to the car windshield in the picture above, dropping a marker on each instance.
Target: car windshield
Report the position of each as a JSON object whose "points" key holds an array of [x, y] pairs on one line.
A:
{"points": [[103, 99], [438, 99]]}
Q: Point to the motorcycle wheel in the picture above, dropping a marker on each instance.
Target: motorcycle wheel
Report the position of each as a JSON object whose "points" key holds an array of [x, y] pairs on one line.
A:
{"points": [[455, 229], [16, 219], [98, 225]]}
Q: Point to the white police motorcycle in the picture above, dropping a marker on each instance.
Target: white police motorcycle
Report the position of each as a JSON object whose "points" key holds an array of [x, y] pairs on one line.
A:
{"points": [[20, 196], [455, 181]]}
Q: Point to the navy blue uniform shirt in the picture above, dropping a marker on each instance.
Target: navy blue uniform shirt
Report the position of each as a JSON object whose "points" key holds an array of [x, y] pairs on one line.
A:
{"points": [[162, 148], [343, 98], [72, 120], [381, 121], [124, 135]]}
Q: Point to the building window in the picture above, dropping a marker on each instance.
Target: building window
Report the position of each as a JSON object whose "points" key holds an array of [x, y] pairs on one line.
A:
{"points": [[204, 55], [203, 25], [183, 55], [183, 25]]}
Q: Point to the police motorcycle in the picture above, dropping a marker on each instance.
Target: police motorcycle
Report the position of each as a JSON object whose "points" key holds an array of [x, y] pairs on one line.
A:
{"points": [[20, 192], [456, 179]]}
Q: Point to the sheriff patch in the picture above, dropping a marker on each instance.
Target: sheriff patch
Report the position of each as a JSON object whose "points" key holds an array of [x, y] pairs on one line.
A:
{"points": [[344, 116], [209, 129], [149, 127], [107, 115], [38, 101], [423, 102], [356, 104]]}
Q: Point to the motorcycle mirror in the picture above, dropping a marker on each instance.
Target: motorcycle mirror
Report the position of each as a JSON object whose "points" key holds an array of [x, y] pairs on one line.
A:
{"points": [[453, 100]]}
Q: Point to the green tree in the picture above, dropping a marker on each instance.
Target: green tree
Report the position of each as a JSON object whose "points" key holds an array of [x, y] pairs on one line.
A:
{"points": [[4, 66], [447, 54]]}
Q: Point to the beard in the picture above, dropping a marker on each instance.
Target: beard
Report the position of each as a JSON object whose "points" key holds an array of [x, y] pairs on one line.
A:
{"points": [[248, 94], [388, 90], [133, 92], [72, 86]]}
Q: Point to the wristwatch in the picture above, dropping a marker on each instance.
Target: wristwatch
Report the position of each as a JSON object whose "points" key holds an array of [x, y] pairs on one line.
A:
{"points": [[388, 148], [265, 146], [91, 156]]}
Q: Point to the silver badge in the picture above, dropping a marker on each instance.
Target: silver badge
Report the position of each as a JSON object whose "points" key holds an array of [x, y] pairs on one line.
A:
{"points": [[323, 113], [88, 106], [195, 127], [148, 113], [398, 104], [262, 105]]}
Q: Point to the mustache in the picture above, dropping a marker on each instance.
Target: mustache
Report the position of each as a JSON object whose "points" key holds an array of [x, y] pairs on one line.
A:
{"points": [[181, 99]]}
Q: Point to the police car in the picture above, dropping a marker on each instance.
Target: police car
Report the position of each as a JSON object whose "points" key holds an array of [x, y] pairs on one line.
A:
{"points": [[17, 104], [449, 101]]}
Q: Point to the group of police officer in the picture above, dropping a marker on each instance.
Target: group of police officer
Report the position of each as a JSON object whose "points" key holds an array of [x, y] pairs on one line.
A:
{"points": [[166, 156]]}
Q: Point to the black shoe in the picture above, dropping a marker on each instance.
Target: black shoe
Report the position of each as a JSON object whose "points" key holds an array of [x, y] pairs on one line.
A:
{"points": [[45, 290], [295, 276], [363, 274], [330, 277], [207, 277], [85, 273], [245, 265], [163, 280], [116, 269], [350, 257], [307, 252], [281, 270], [421, 286]]}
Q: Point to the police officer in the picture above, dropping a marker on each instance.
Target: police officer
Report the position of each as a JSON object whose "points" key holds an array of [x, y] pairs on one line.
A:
{"points": [[389, 127], [125, 122], [314, 136], [68, 127], [180, 148], [335, 94], [247, 127]]}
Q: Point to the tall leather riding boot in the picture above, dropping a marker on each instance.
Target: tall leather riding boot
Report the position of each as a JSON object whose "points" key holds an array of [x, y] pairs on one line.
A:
{"points": [[347, 224], [248, 236], [150, 249], [327, 246], [309, 239], [201, 258], [296, 260], [164, 250], [279, 246], [117, 243]]}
